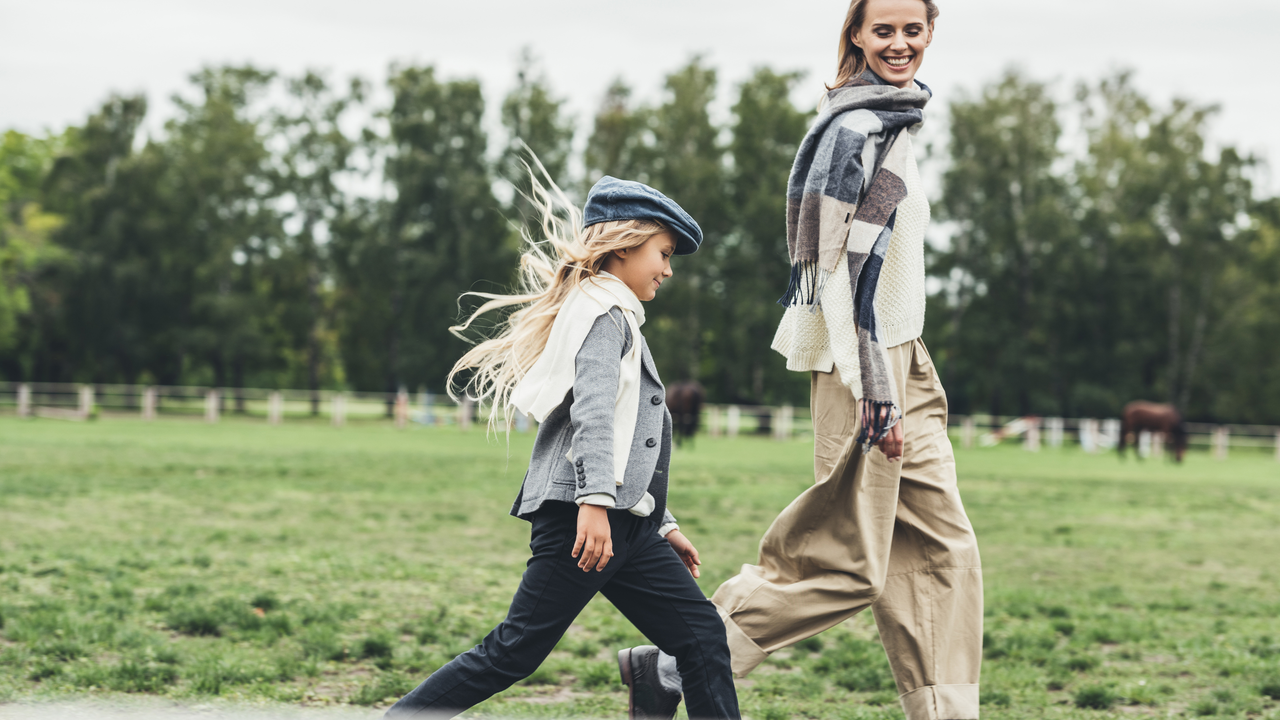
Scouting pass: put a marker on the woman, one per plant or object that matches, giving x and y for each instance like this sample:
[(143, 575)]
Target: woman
[(883, 526)]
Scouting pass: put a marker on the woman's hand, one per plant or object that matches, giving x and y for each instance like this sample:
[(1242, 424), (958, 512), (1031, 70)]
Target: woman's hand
[(685, 549), (891, 443), (594, 541)]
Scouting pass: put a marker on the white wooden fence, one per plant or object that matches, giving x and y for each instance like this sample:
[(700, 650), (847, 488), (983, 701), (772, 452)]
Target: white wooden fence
[(1097, 435), (65, 401)]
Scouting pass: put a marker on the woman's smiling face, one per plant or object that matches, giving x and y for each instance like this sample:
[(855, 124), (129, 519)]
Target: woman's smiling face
[(893, 37)]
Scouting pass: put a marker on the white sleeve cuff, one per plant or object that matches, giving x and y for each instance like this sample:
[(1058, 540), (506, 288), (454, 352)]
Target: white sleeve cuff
[(667, 528), (601, 499)]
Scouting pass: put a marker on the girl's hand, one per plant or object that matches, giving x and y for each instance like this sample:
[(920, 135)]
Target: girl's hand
[(685, 549), (891, 443), (594, 541)]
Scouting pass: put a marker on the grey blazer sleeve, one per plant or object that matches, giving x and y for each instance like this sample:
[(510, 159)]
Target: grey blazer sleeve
[(667, 517), (598, 368)]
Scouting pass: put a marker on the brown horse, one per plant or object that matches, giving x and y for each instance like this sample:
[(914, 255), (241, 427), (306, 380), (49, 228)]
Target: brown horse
[(1141, 415), (684, 400)]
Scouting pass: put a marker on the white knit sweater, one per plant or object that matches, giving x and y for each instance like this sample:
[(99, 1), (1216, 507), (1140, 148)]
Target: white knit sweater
[(818, 340)]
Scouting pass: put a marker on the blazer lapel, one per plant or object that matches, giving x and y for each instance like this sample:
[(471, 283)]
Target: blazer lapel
[(646, 361)]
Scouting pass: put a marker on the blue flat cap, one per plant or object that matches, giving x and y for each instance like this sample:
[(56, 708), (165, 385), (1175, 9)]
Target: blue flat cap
[(614, 199)]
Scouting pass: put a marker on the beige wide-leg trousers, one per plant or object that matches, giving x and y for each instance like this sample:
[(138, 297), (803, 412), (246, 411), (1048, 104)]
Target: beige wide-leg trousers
[(889, 535)]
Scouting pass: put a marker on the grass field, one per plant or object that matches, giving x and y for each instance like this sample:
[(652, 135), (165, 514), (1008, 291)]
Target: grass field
[(311, 565)]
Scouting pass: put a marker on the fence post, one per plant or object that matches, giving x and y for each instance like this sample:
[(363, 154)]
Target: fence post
[(1157, 445), (1111, 433), (734, 421), (522, 422), (275, 407), (1054, 427), (339, 409), (1088, 430), (86, 401), (713, 420), (1031, 438), (782, 422), (466, 411), (968, 430), (402, 408), (24, 405), (149, 403), (429, 411), (1221, 442), (1144, 444), (211, 406)]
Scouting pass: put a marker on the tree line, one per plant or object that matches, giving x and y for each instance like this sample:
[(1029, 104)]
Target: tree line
[(294, 231)]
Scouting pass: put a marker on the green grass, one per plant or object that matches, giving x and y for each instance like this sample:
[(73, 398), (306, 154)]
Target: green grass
[(310, 565)]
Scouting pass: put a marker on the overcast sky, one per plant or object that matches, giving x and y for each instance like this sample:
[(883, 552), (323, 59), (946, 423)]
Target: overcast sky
[(60, 58)]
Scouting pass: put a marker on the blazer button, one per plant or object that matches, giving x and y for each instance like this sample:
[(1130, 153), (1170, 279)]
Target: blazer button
[(656, 399), (650, 442), (579, 463), (582, 483)]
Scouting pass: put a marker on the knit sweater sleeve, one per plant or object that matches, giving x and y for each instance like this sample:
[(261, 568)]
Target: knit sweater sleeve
[(818, 339), (802, 339), (842, 329)]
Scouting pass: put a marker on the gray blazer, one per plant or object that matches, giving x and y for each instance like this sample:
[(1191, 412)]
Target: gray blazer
[(584, 421)]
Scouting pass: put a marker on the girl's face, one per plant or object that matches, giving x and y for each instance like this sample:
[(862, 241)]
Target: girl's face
[(893, 38), (643, 268)]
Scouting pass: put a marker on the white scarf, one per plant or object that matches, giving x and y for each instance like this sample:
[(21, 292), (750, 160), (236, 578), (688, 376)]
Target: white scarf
[(544, 387)]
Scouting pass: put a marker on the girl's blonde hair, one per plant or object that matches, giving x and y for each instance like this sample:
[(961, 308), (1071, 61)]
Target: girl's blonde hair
[(852, 62), (562, 256)]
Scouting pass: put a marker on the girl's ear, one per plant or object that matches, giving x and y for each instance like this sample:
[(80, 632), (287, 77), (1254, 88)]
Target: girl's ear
[(622, 253)]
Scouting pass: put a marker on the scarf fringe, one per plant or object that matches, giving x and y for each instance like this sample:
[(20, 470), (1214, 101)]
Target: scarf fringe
[(803, 287), (878, 417)]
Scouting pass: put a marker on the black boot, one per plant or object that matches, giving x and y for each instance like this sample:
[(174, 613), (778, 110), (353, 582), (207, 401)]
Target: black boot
[(649, 698)]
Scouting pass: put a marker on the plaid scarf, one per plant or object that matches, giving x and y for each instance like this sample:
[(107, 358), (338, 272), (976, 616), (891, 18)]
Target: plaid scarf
[(836, 211)]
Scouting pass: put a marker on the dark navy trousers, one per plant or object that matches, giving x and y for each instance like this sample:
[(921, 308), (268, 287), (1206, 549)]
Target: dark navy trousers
[(645, 580)]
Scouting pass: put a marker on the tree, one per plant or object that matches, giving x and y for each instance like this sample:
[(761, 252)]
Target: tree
[(315, 153), (406, 261), (104, 312), (1077, 284), (1241, 378), (222, 186), (535, 123), (25, 230), (617, 145), (751, 261), (1013, 227), (1154, 194), (688, 165)]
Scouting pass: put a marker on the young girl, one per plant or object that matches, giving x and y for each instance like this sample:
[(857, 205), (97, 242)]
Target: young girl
[(572, 357), (883, 526)]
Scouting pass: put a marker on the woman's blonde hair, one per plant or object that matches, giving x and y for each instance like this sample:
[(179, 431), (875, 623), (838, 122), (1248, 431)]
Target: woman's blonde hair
[(554, 263), (852, 62)]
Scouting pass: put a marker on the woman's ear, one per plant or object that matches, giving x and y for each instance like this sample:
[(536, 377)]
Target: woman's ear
[(853, 38)]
